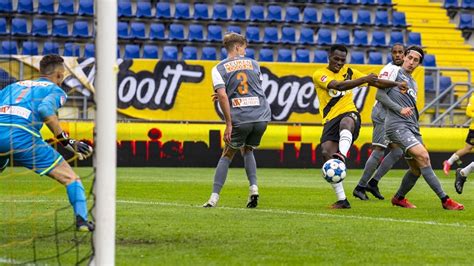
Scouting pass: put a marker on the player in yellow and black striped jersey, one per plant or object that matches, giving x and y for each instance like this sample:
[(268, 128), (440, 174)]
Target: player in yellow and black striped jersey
[(340, 116)]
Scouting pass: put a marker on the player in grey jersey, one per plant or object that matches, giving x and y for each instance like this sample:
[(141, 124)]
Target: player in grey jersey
[(405, 131), (237, 82)]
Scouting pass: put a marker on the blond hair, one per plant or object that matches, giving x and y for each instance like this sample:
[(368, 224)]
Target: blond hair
[(232, 39)]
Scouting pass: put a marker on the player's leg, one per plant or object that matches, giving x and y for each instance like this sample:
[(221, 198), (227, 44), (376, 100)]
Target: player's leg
[(346, 130), (459, 153), (370, 166), (461, 177), (408, 182)]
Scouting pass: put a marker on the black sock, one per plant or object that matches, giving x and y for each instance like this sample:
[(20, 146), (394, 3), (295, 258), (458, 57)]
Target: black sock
[(360, 188), (444, 199), (400, 198), (373, 182)]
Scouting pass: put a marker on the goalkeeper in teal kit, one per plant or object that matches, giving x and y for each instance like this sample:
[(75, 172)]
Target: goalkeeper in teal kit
[(24, 107)]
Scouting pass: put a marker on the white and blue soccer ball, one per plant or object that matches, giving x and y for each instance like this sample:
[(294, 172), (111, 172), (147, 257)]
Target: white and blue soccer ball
[(334, 171)]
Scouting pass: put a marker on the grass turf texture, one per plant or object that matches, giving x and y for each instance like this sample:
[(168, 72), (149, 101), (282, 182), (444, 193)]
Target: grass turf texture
[(160, 220)]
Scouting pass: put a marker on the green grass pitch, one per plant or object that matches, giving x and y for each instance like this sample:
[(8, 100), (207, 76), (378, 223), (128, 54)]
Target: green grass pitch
[(160, 220)]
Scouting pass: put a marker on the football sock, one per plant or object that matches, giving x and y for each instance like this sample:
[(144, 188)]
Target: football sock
[(339, 189), (392, 157), (454, 158), (370, 166), (345, 141), (467, 170), (373, 182), (221, 174), (444, 199), (408, 181), (433, 181), (77, 198), (250, 167)]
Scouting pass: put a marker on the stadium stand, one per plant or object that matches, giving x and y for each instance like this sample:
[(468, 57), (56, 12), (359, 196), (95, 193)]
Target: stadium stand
[(150, 51)]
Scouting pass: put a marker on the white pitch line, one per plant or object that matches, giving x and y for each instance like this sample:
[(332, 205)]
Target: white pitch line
[(10, 261)]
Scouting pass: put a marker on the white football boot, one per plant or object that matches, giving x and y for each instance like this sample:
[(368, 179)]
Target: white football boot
[(212, 202)]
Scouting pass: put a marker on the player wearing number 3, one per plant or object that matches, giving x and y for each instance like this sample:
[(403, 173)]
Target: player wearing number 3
[(237, 82)]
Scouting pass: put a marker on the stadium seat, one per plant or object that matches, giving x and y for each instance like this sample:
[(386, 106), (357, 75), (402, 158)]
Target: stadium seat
[(302, 56), (320, 56), (429, 60), (444, 83), (250, 53), (467, 4), (25, 6), (60, 28), (80, 29), (223, 53), (66, 7), (375, 58), (270, 35), (450, 4), (292, 14), (343, 37), (157, 31), (190, 53), (124, 9), (176, 32), (143, 10), (196, 32), (9, 47), (285, 55), (3, 26), (86, 8), (170, 53), (381, 18), (214, 33), (19, 27), (131, 51), (137, 30), (288, 35), (71, 49), (346, 17), (414, 38), (310, 15), (429, 83), (399, 19), (150, 51), (357, 58), (328, 16), (396, 37), (465, 21), (182, 11), (378, 39), (361, 38), (266, 55), (89, 50), (238, 13), (6, 6), (389, 57), (209, 53), (50, 48), (39, 27), (363, 17), (122, 30), (252, 33), (351, 2), (367, 2), (201, 11), (220, 12), (46, 7), (163, 10), (324, 37), (256, 13), (384, 2), (274, 13), (30, 48), (306, 36), (234, 28)]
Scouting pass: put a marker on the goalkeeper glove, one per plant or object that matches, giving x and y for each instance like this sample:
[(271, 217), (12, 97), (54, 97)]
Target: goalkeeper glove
[(79, 148)]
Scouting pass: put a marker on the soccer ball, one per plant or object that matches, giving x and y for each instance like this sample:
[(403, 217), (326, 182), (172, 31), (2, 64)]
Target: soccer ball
[(334, 171)]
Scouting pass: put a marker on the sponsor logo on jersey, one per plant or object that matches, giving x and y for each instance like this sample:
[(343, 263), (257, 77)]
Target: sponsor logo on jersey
[(15, 110), (31, 83), (62, 100), (324, 78), (238, 65), (247, 101), (384, 74)]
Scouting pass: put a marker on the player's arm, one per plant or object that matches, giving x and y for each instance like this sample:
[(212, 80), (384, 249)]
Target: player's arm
[(385, 84), (219, 89), (350, 84), (383, 98)]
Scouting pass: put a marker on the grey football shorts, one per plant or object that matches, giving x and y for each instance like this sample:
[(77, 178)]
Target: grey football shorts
[(405, 138), (248, 134), (378, 136)]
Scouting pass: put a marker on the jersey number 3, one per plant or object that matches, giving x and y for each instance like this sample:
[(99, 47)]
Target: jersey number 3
[(243, 86)]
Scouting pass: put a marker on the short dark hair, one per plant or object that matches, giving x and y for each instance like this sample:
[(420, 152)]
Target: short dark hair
[(338, 47), (49, 63), (416, 49), (397, 44)]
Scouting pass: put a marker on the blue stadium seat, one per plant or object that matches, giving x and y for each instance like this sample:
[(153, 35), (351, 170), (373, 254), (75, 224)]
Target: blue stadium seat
[(266, 55), (310, 15), (234, 28), (30, 48), (190, 53), (444, 83), (150, 51), (131, 51), (3, 26), (357, 58), (429, 60), (378, 39), (274, 13), (375, 58), (176, 32), (220, 12), (367, 2), (122, 30), (389, 57), (414, 38), (19, 27), (450, 4), (384, 2), (9, 47), (256, 13), (214, 33), (320, 56), (351, 2), (80, 29), (86, 8), (124, 9), (137, 30), (182, 11), (39, 27), (25, 6), (381, 18), (328, 16), (288, 35), (89, 50), (363, 17), (465, 21), (163, 10), (223, 53), (50, 48), (324, 37), (396, 37), (250, 53), (429, 83), (399, 19), (60, 28), (6, 6), (361, 38), (143, 10), (302, 56), (196, 32), (292, 14), (346, 17), (252, 33), (285, 55), (157, 31), (46, 7), (209, 53), (306, 36), (270, 35), (238, 13), (71, 49), (170, 53), (343, 37), (201, 11), (467, 4), (66, 7)]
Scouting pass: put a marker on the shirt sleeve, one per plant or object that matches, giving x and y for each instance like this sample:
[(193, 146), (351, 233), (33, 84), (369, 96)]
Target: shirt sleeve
[(321, 80), (217, 80), (383, 98), (52, 102), (389, 72)]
